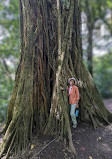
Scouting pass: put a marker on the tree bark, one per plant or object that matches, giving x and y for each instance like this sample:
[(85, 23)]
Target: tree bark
[(90, 26), (90, 48), (50, 54)]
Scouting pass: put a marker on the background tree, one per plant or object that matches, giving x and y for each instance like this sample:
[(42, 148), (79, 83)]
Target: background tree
[(9, 48), (107, 20), (91, 18), (97, 16), (50, 54), (95, 11), (103, 74)]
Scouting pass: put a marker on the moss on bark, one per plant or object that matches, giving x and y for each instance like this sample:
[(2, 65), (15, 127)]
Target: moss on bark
[(47, 59)]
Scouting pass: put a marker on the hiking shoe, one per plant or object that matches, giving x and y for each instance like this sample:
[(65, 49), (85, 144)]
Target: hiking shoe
[(74, 126)]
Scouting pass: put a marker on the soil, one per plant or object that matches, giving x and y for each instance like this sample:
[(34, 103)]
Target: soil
[(89, 143)]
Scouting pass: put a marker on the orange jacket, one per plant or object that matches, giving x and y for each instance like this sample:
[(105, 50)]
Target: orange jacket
[(74, 94)]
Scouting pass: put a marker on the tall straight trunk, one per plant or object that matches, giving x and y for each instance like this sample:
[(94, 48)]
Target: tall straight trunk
[(50, 54), (90, 48), (90, 27)]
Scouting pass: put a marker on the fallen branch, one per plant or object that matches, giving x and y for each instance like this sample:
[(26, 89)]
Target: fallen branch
[(44, 147)]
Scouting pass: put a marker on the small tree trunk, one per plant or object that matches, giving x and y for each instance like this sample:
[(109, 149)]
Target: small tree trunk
[(50, 54)]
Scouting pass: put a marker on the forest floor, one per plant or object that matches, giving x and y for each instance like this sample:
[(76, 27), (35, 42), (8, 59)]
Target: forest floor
[(89, 143)]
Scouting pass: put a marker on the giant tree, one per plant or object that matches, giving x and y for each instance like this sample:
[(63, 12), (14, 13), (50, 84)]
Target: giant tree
[(50, 54)]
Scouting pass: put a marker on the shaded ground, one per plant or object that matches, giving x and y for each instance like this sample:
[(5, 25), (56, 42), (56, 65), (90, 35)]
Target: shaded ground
[(93, 143), (89, 143)]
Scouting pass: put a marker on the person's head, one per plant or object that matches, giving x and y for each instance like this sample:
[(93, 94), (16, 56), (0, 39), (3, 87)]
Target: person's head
[(72, 82)]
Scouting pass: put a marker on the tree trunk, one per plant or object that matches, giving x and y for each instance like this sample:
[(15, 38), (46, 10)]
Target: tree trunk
[(90, 48), (90, 26), (50, 54)]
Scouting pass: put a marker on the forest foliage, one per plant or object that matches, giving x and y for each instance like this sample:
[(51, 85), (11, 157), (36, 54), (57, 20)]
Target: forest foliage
[(9, 50)]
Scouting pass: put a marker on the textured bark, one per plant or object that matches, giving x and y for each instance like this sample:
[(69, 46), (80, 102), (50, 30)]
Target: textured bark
[(90, 27), (90, 48), (50, 54)]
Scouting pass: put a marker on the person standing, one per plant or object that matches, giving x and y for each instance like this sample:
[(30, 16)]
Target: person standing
[(73, 93)]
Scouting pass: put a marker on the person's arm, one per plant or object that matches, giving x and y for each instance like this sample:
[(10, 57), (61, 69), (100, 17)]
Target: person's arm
[(77, 95), (67, 91)]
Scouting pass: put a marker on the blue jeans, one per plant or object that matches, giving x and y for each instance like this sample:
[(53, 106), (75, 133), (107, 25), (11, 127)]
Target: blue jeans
[(72, 114)]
